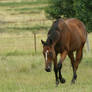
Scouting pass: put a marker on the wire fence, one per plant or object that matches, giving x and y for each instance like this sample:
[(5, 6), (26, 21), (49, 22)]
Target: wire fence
[(26, 43), (21, 44)]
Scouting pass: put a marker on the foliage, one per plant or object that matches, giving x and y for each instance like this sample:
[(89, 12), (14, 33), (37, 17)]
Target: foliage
[(58, 8), (80, 9), (83, 12)]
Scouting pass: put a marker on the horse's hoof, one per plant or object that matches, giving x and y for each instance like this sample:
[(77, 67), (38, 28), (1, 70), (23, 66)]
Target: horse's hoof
[(62, 80), (73, 81), (57, 82)]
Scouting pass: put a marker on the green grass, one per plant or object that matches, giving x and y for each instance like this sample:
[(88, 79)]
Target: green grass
[(26, 9), (37, 27), (23, 70), (20, 43), (26, 73), (17, 4), (18, 16)]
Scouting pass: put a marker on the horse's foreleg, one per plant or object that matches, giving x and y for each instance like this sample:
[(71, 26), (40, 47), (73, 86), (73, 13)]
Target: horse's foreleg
[(62, 80), (56, 72), (63, 55)]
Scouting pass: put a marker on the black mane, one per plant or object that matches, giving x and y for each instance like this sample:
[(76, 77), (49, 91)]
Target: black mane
[(52, 34)]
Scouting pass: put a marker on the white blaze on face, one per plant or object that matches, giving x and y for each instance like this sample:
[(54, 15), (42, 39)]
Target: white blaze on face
[(46, 55)]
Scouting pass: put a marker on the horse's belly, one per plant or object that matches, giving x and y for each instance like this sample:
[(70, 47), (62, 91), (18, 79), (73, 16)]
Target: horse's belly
[(75, 43), (75, 46)]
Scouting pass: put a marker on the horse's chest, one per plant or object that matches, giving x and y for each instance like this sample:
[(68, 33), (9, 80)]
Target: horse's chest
[(59, 48)]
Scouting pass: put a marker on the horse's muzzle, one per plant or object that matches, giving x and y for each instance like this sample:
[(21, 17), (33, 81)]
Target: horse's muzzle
[(48, 69)]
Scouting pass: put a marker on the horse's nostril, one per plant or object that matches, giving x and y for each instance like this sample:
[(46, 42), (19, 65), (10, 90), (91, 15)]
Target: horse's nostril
[(48, 70), (49, 67)]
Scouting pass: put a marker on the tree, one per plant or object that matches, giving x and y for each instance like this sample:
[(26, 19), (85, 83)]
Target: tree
[(59, 8), (83, 12), (80, 9)]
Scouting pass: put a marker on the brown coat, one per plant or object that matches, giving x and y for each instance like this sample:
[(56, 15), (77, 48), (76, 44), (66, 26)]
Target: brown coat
[(72, 35)]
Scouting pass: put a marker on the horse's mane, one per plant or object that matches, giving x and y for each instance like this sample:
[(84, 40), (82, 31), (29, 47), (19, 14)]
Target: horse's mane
[(52, 34), (55, 30)]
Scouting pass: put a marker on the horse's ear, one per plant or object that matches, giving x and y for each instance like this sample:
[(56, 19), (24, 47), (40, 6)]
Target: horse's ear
[(43, 42)]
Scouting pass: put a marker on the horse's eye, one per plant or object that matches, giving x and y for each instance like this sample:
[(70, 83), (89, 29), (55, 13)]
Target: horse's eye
[(43, 53)]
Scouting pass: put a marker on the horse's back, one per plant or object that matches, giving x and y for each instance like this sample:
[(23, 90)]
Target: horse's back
[(77, 29), (78, 33)]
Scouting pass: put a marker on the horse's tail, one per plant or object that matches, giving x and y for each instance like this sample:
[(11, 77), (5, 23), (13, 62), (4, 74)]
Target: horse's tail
[(87, 44)]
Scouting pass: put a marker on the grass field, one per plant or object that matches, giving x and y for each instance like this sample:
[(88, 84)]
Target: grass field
[(21, 70)]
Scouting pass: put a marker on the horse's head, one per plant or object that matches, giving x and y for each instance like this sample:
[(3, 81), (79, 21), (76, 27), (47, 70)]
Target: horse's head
[(49, 55)]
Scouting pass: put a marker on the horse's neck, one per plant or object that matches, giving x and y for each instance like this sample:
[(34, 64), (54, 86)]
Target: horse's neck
[(54, 37)]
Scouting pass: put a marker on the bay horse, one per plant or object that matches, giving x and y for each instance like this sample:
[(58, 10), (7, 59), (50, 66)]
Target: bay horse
[(64, 37)]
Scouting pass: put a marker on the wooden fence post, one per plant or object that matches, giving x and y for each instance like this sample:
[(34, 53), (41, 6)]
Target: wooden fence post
[(34, 41)]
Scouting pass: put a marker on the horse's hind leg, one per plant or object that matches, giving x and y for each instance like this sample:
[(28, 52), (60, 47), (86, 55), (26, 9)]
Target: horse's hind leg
[(71, 56), (79, 55)]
